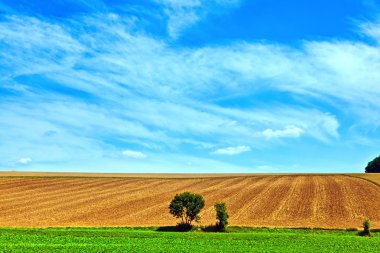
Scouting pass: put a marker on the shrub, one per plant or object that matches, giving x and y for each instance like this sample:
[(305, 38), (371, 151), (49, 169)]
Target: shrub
[(221, 216), (187, 207), (373, 166), (366, 228)]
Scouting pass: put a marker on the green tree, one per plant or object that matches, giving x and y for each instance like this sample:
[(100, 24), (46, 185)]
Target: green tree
[(187, 206), (221, 216), (366, 228), (373, 166)]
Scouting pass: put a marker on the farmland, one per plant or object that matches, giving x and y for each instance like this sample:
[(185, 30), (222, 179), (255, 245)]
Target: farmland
[(149, 240), (373, 177), (323, 201)]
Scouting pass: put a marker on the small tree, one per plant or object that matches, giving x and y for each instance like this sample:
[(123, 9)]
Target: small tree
[(187, 207), (221, 215), (366, 228), (373, 166)]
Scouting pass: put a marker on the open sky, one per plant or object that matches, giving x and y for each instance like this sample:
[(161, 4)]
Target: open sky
[(189, 85)]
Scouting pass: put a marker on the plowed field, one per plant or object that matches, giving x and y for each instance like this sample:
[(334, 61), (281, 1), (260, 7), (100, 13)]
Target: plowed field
[(373, 177), (324, 201)]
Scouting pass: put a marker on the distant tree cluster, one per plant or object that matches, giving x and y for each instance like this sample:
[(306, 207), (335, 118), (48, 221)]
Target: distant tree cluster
[(373, 166)]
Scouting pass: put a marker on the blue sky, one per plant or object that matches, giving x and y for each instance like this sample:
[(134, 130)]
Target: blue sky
[(189, 85)]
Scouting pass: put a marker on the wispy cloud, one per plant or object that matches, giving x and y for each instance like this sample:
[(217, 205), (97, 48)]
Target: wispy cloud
[(134, 154), (185, 13), (181, 14), (288, 132), (231, 150), (372, 29), (100, 84), (34, 46)]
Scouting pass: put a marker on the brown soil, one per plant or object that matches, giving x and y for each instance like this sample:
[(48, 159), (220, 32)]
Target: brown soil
[(374, 177), (324, 201)]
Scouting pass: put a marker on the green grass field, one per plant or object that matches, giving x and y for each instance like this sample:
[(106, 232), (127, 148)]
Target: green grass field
[(150, 240)]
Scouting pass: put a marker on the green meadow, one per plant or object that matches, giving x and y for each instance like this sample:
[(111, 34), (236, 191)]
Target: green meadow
[(164, 240)]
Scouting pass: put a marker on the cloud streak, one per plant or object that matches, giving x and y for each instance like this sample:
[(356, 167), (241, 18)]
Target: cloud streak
[(288, 132), (134, 154), (231, 150), (182, 14), (98, 84)]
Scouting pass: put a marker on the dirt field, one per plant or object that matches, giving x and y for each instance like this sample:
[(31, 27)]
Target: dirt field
[(326, 201), (373, 177)]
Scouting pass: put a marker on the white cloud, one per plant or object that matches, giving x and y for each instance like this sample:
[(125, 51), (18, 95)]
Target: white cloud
[(180, 19), (144, 92), (134, 154), (181, 14), (25, 160), (25, 36), (185, 13), (372, 30), (287, 132), (141, 87), (231, 150)]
